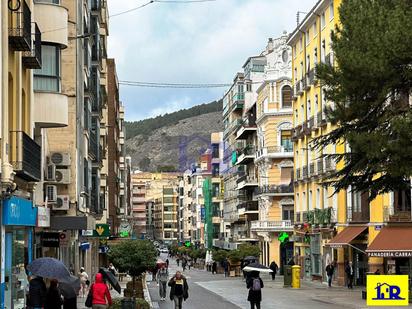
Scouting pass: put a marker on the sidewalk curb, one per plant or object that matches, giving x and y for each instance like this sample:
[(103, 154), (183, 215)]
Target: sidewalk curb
[(147, 293)]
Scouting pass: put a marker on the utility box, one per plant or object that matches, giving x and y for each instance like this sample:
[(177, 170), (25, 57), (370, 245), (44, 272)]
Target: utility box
[(287, 276), (296, 276)]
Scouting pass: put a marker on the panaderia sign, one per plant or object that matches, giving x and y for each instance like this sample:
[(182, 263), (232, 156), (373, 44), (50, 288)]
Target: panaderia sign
[(390, 254)]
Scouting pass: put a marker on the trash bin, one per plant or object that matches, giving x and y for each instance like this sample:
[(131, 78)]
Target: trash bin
[(128, 303), (296, 276), (287, 276)]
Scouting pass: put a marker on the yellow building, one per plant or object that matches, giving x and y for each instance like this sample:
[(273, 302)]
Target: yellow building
[(337, 227), (274, 156)]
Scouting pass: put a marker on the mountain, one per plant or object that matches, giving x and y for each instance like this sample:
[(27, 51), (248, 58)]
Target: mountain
[(173, 141)]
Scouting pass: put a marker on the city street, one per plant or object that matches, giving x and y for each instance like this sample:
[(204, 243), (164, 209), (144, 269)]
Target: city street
[(215, 291)]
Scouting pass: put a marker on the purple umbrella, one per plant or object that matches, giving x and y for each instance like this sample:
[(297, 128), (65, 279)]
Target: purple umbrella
[(49, 268)]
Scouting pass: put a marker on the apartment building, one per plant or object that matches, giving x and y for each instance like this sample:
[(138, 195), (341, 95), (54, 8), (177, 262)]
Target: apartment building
[(337, 227), (140, 185), (185, 204), (273, 157)]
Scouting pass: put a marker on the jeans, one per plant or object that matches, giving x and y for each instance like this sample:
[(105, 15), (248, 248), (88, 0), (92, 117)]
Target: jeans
[(253, 303), (350, 282), (99, 307), (162, 289), (330, 281), (273, 275), (178, 301)]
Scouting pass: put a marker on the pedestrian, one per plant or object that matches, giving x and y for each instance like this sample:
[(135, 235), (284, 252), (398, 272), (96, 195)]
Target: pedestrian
[(255, 285), (179, 290), (330, 269), (100, 292), (177, 261), (70, 303), (226, 267), (349, 274), (84, 282), (167, 263), (37, 293), (214, 267), (274, 267), (113, 270), (162, 278), (184, 263), (154, 273), (54, 298), (189, 264)]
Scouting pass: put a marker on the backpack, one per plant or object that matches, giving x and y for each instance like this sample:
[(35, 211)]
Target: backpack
[(256, 284)]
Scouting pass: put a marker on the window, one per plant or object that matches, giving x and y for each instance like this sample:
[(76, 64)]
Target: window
[(315, 55), (285, 175), (307, 37), (317, 198), (308, 109), (356, 201), (307, 63), (248, 87), (48, 77), (317, 103), (301, 69), (286, 140), (287, 213), (286, 97), (331, 10), (323, 51), (315, 28), (310, 199), (323, 20)]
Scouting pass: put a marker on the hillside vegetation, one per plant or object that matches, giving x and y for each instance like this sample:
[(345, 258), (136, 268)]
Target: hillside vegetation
[(147, 126)]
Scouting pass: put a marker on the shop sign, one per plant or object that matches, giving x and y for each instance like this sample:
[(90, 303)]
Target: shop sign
[(387, 290), (87, 232), (64, 239), (43, 217), (50, 240), (19, 211), (401, 254), (102, 230)]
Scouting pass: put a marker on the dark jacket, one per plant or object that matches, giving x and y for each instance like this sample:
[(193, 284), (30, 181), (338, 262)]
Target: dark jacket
[(349, 272), (273, 266), (37, 292), (329, 270), (54, 300), (172, 285), (255, 296)]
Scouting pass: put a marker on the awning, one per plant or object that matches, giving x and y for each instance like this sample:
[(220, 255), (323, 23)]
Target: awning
[(392, 242), (346, 236), (72, 223)]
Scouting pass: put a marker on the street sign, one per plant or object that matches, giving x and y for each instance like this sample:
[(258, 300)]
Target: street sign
[(102, 230), (64, 239), (87, 232)]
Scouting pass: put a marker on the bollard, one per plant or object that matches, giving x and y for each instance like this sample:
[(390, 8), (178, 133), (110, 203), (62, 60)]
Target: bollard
[(296, 276)]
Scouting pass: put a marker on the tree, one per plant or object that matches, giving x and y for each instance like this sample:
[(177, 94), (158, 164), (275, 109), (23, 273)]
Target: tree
[(134, 257), (370, 87), (219, 255), (249, 250)]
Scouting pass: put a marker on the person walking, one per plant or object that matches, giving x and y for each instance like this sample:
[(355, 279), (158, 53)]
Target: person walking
[(84, 280), (189, 264), (113, 270), (167, 263), (100, 292), (214, 267), (184, 264), (179, 289), (54, 298), (274, 267), (162, 278), (330, 269), (177, 261), (37, 293), (349, 274), (255, 285), (226, 267)]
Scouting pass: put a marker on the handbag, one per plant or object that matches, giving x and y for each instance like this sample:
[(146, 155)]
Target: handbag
[(89, 299)]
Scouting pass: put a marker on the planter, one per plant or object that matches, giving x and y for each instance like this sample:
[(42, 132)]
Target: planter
[(220, 270)]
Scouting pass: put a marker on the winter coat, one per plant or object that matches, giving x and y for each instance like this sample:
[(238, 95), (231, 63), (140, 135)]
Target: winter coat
[(163, 275), (329, 270), (274, 267), (37, 292), (172, 285), (255, 296), (54, 300), (100, 291)]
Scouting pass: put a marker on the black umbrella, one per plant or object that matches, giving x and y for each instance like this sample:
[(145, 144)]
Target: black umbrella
[(250, 258), (49, 268), (257, 267), (70, 287), (107, 274)]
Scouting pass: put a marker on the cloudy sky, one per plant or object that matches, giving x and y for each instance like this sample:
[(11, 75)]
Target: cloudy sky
[(190, 43)]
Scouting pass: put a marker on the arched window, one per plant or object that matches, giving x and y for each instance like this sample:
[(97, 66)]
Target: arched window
[(286, 97)]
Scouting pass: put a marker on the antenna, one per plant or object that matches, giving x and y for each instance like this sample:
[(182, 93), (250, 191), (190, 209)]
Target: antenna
[(298, 16)]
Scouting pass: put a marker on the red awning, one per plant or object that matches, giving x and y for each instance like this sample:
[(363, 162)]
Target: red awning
[(346, 236), (395, 241)]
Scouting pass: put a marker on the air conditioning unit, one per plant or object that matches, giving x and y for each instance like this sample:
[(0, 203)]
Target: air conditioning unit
[(60, 158), (51, 193), (62, 176), (62, 203), (50, 174)]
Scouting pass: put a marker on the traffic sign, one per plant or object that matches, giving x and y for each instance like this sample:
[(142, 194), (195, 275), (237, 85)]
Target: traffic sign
[(102, 230)]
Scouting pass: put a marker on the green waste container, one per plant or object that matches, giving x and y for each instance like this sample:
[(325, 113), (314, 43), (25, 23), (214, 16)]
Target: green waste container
[(287, 276)]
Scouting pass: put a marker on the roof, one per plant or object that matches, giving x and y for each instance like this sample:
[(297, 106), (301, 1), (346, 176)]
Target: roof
[(346, 236)]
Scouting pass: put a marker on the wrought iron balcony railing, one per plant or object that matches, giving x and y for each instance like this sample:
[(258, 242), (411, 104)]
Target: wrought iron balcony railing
[(19, 25), (25, 156), (32, 59)]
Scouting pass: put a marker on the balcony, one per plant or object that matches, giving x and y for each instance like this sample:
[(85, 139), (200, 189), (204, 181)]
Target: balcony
[(312, 171), (250, 207), (319, 166), (391, 215), (272, 226), (330, 165), (246, 181), (299, 88), (306, 84), (20, 25), (25, 156), (51, 109), (52, 20), (306, 128), (93, 146), (321, 119), (275, 190), (246, 155), (247, 127), (274, 152), (298, 174), (311, 77), (305, 172), (32, 59)]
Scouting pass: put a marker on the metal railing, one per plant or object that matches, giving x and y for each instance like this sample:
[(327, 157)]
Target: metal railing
[(25, 156), (275, 189), (305, 171), (319, 165), (391, 214), (273, 150), (93, 146), (272, 225), (20, 25), (312, 169), (32, 59)]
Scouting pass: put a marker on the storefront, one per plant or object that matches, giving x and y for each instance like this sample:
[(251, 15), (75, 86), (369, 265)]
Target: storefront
[(19, 218)]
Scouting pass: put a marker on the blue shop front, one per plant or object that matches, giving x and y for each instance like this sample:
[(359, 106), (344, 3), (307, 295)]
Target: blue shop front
[(19, 217)]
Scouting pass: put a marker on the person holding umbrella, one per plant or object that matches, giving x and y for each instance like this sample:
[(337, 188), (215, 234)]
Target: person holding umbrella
[(255, 284), (54, 299)]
